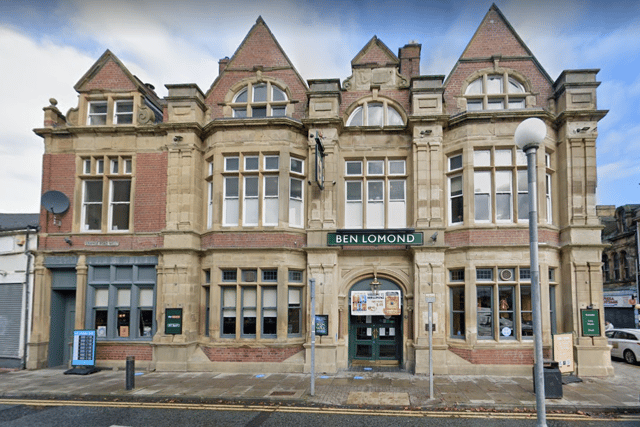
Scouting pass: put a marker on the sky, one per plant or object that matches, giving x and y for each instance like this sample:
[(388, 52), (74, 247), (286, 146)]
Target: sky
[(46, 46)]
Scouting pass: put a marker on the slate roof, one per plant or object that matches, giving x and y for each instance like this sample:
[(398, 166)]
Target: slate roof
[(10, 222)]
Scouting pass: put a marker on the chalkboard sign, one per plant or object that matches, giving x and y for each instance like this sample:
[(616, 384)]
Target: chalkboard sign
[(173, 321), (590, 323), (322, 324), (84, 348)]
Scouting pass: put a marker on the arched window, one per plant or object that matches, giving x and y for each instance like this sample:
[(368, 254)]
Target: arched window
[(625, 265), (616, 267), (260, 100), (605, 267), (375, 114), (495, 92)]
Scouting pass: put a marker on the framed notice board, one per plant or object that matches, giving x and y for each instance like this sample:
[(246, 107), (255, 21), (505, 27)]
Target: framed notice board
[(84, 348), (590, 322), (173, 321), (322, 324)]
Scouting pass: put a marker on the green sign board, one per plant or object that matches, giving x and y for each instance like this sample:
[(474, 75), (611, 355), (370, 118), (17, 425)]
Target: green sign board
[(355, 238), (173, 321), (590, 322)]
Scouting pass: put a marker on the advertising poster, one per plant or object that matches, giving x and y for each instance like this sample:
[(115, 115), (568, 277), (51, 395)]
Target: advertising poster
[(384, 303)]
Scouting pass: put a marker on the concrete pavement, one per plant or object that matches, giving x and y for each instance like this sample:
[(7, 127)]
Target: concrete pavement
[(363, 388)]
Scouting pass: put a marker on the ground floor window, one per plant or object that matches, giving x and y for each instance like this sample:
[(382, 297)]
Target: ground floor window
[(121, 299), (249, 302), (503, 303), (457, 312)]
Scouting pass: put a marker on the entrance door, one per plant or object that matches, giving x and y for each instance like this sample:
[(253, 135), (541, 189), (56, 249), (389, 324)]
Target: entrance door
[(375, 340), (63, 314)]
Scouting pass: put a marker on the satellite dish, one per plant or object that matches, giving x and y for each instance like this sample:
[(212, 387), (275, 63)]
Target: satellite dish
[(55, 202)]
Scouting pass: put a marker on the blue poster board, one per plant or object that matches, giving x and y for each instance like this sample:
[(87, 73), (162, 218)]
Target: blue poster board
[(84, 348)]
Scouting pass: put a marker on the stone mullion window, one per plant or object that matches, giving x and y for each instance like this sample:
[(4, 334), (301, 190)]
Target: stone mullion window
[(249, 303), (500, 186), (375, 197), (260, 99), (121, 299), (110, 111), (251, 190), (106, 193), (493, 91)]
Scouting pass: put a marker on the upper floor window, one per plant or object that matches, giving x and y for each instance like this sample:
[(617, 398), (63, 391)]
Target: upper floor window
[(106, 194), (106, 112), (375, 193), (495, 92), (260, 100), (456, 201), (375, 114)]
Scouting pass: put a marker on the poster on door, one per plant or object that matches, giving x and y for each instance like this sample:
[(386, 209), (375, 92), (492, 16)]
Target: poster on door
[(382, 303)]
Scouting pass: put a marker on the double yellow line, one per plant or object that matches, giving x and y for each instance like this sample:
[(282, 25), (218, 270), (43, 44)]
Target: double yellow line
[(313, 410)]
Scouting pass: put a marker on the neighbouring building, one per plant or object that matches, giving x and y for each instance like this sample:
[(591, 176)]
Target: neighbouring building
[(620, 264), (18, 238), (198, 220)]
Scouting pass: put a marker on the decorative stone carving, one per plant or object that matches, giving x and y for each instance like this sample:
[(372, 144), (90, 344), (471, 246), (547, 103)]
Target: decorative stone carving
[(385, 78), (145, 115), (72, 116)]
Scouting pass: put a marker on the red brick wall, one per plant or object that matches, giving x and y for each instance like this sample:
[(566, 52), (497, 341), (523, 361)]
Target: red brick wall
[(494, 38), (58, 173), (110, 77), (499, 237), (121, 351), (400, 96), (498, 356), (150, 203), (375, 55), (217, 354), (253, 240)]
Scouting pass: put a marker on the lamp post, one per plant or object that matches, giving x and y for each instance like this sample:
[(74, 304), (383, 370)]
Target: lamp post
[(529, 136)]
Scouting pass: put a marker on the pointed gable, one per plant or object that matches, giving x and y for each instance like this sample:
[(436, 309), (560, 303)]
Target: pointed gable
[(109, 74), (496, 48), (375, 52), (259, 56), (495, 36), (259, 48)]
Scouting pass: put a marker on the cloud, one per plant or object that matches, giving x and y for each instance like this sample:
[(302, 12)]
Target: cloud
[(40, 70)]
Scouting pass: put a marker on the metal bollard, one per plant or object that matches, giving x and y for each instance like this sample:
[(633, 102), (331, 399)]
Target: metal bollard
[(130, 373)]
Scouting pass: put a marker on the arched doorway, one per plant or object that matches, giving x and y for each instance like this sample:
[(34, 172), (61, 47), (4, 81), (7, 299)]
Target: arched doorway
[(375, 323)]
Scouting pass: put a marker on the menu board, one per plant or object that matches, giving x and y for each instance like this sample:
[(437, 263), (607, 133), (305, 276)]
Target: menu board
[(84, 348), (382, 303), (563, 351)]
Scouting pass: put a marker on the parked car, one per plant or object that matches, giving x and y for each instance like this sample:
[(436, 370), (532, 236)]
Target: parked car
[(625, 343)]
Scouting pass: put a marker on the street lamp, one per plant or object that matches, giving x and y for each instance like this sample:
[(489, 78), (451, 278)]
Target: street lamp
[(529, 136)]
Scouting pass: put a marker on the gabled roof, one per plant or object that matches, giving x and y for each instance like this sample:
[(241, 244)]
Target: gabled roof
[(108, 73), (12, 222), (496, 32), (258, 49), (375, 52)]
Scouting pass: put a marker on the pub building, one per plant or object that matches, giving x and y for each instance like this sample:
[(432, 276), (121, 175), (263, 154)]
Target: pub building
[(196, 221)]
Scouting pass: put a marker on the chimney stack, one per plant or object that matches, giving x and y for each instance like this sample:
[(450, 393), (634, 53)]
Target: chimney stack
[(410, 59)]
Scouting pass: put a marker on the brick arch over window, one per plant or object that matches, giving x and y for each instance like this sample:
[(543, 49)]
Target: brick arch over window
[(258, 96), (376, 112)]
